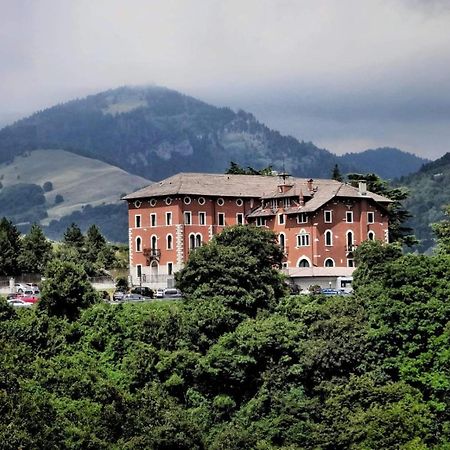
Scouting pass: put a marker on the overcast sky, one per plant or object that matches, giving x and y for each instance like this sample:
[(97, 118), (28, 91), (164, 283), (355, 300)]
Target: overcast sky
[(345, 74)]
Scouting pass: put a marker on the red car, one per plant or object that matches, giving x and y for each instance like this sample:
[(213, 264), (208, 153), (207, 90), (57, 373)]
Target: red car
[(29, 298)]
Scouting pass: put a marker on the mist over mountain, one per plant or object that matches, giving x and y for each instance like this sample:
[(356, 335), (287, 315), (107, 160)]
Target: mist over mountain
[(155, 132)]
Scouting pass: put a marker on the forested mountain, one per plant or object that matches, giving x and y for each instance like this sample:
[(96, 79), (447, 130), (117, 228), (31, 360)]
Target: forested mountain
[(388, 163), (156, 132), (429, 193)]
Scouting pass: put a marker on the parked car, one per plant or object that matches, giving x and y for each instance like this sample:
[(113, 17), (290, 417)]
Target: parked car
[(142, 290), (18, 303), (159, 293), (118, 295), (172, 293), (12, 296), (21, 287), (330, 291), (29, 298), (135, 298), (34, 288)]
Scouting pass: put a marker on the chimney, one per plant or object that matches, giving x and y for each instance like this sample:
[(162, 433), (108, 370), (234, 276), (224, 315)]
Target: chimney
[(309, 183), (300, 199), (362, 186)]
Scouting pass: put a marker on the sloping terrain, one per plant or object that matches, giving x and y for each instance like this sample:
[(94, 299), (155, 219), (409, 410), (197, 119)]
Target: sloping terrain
[(156, 132), (79, 180), (429, 193)]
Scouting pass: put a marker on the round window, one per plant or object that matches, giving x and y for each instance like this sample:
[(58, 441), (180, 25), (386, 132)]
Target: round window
[(239, 202), (187, 200), (152, 202), (201, 200), (220, 201), (168, 201), (137, 203)]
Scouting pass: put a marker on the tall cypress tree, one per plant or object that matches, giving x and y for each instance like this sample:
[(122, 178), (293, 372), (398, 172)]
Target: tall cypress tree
[(9, 248)]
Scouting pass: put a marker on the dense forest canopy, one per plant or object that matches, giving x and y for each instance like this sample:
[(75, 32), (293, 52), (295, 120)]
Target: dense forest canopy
[(224, 369)]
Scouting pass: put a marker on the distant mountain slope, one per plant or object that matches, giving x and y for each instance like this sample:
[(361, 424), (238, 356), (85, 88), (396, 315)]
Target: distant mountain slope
[(429, 192), (155, 132), (79, 180), (388, 163)]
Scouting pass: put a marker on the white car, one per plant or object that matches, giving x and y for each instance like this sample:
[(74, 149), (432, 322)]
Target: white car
[(159, 293), (21, 287), (17, 303)]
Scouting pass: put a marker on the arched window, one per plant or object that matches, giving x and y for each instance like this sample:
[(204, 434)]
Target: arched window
[(371, 236), (328, 238), (153, 243), (350, 241), (329, 262), (198, 240), (282, 240), (169, 242), (138, 244), (304, 263), (192, 241)]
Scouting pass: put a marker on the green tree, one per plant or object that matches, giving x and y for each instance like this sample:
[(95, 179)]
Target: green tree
[(9, 248), (36, 251), (66, 290), (240, 265), (442, 232), (73, 237), (236, 169), (336, 174), (47, 186), (97, 250)]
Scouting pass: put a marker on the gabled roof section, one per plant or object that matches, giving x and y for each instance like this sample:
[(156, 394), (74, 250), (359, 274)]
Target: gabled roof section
[(206, 184), (314, 192)]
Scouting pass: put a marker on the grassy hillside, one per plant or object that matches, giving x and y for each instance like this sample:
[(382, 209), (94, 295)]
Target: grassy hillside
[(79, 180)]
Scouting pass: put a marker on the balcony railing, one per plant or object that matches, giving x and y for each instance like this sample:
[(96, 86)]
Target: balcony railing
[(152, 254)]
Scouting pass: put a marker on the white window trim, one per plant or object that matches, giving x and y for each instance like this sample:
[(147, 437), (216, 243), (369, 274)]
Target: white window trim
[(325, 216), (329, 259), (169, 221), (167, 241), (302, 215), (136, 245), (300, 259), (140, 220), (187, 214), (369, 233), (284, 240), (325, 238), (281, 219), (153, 215), (221, 214), (169, 263), (199, 214), (153, 237), (138, 266), (220, 201), (299, 240), (237, 220), (370, 213), (351, 215)]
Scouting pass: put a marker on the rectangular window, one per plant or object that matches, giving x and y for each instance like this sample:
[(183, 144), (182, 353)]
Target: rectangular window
[(240, 219), (221, 219), (187, 218), (302, 218), (349, 216), (153, 220), (287, 202), (350, 262), (280, 219), (370, 217), (260, 221), (169, 268), (202, 218), (137, 221), (274, 204), (328, 216), (168, 218), (139, 271), (303, 240)]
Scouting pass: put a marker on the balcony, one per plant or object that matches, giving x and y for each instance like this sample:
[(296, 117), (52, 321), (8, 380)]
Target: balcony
[(152, 254)]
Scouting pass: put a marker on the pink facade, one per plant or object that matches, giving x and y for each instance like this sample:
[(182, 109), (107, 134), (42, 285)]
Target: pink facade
[(318, 226)]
